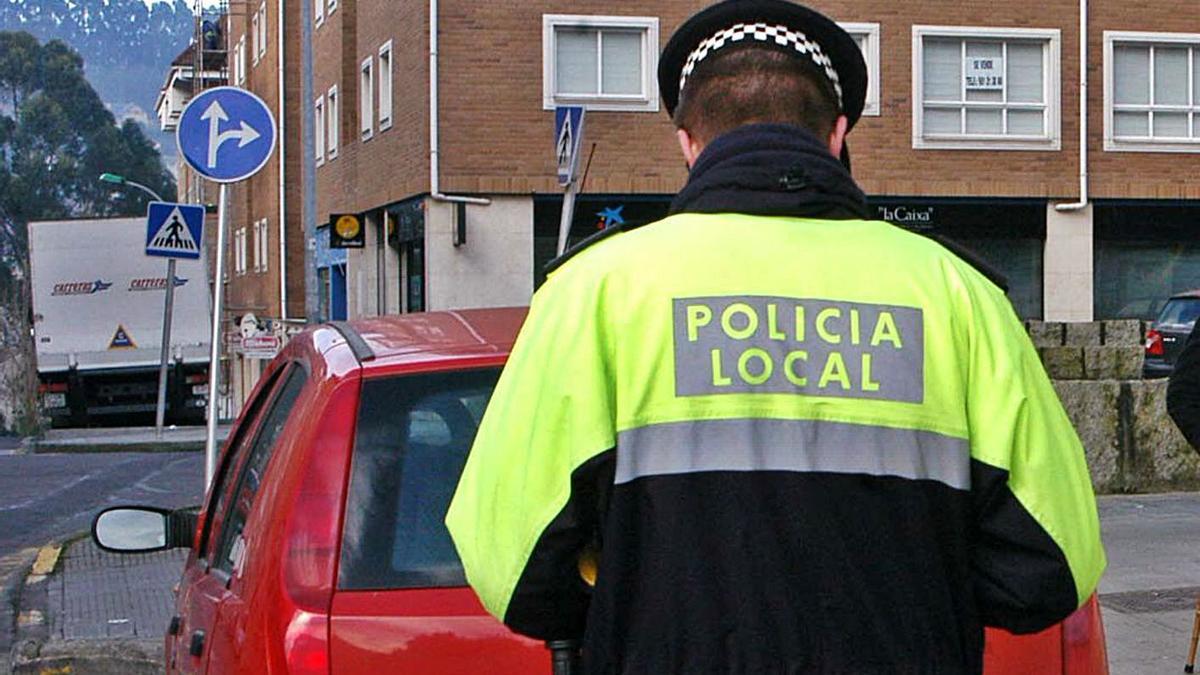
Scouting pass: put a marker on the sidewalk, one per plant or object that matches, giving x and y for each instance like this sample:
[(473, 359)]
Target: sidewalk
[(96, 612), (124, 439)]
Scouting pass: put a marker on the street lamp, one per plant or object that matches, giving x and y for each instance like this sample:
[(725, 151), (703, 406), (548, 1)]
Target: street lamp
[(121, 180), (160, 410)]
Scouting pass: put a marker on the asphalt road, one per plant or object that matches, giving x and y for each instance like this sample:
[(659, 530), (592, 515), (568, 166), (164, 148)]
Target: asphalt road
[(43, 497)]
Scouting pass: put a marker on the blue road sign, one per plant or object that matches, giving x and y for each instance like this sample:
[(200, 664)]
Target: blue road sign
[(226, 134), (174, 230), (568, 136)]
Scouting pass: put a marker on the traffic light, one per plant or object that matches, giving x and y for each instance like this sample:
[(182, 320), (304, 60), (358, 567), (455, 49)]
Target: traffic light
[(346, 231)]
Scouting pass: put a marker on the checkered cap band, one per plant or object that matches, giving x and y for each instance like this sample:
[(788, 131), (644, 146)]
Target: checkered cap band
[(780, 35)]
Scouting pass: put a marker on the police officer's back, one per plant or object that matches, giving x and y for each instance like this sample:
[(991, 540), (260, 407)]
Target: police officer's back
[(800, 440)]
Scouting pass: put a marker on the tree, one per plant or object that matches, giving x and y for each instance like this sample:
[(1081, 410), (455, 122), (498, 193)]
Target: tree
[(60, 137)]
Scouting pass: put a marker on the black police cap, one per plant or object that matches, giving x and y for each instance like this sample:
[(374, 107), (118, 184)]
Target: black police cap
[(812, 37)]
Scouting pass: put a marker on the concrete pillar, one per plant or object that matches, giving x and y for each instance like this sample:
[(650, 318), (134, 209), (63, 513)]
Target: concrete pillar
[(1069, 279), (494, 268)]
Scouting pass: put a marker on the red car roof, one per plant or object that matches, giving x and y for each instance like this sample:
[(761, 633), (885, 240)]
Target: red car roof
[(433, 336)]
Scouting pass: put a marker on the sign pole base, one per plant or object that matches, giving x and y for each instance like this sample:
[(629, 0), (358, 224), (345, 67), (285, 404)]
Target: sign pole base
[(214, 361)]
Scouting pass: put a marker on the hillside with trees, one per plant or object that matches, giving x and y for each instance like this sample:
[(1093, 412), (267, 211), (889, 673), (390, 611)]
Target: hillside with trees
[(56, 137), (125, 44)]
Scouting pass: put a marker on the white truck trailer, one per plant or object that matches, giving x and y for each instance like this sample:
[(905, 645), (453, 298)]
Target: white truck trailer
[(97, 323)]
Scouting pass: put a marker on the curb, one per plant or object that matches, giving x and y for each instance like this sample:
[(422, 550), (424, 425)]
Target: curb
[(95, 657), (13, 570), (37, 447)]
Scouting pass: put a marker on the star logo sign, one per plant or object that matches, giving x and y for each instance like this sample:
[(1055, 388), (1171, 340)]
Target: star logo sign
[(611, 216)]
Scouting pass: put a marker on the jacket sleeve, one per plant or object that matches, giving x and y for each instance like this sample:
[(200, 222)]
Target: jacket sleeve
[(1183, 392), (1037, 555), (541, 466)]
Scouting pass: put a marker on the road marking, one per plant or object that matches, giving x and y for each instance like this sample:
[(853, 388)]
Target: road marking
[(33, 500), (47, 559)]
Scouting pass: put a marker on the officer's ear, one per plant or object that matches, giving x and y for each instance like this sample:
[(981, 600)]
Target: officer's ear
[(690, 145), (837, 137)]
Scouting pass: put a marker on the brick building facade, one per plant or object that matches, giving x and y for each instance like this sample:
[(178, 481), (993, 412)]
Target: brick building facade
[(975, 135), (992, 187)]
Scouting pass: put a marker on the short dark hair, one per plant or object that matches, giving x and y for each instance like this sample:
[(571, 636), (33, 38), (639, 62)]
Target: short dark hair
[(748, 85)]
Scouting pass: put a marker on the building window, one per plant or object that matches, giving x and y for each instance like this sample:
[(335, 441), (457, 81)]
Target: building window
[(262, 242), (366, 102), (318, 12), (385, 86), (603, 62), (1152, 92), (986, 88), (333, 125), (261, 15), (239, 251), (319, 129), (255, 38), (239, 62), (867, 37), (332, 6)]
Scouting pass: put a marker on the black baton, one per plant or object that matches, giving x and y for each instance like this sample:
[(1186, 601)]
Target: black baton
[(564, 657)]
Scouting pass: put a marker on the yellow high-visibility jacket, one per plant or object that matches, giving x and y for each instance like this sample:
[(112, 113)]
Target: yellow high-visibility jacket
[(796, 445)]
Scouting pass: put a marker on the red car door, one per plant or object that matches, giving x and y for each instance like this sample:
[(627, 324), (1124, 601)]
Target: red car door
[(401, 604), (201, 590), (243, 536)]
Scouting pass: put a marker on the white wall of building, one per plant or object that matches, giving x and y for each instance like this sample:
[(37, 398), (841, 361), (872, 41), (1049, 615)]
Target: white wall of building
[(494, 268), (1069, 265)]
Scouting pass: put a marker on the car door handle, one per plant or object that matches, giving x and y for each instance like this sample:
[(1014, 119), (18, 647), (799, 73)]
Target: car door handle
[(196, 648)]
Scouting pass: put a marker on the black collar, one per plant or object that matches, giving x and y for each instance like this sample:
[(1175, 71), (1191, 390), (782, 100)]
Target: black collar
[(771, 170)]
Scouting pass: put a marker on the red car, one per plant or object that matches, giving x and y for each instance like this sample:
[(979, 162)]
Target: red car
[(321, 549)]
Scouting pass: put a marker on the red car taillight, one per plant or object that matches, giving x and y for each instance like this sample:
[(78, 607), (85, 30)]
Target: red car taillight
[(311, 535), (196, 378), (1154, 343), (307, 644), (52, 388)]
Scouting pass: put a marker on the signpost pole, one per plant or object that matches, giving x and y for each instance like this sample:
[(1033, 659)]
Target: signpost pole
[(160, 411), (568, 215), (208, 125), (214, 360)]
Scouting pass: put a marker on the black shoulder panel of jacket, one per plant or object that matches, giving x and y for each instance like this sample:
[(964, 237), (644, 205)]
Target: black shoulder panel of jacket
[(1183, 392), (590, 240), (1022, 580), (973, 259), (551, 599)]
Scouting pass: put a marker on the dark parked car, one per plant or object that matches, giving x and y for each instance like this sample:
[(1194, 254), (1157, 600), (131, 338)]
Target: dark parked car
[(1169, 332)]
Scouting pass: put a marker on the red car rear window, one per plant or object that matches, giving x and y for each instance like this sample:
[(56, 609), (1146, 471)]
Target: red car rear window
[(414, 433)]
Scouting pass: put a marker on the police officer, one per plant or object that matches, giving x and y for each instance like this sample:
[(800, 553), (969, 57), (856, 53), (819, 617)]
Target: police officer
[(795, 439)]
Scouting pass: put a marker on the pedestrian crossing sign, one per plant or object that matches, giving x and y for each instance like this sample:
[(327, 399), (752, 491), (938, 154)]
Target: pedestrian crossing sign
[(174, 230)]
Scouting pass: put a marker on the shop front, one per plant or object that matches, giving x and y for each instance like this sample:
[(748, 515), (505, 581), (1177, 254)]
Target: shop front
[(1145, 251)]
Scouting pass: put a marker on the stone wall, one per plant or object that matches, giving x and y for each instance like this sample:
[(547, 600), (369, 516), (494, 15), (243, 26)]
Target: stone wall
[(1131, 443)]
